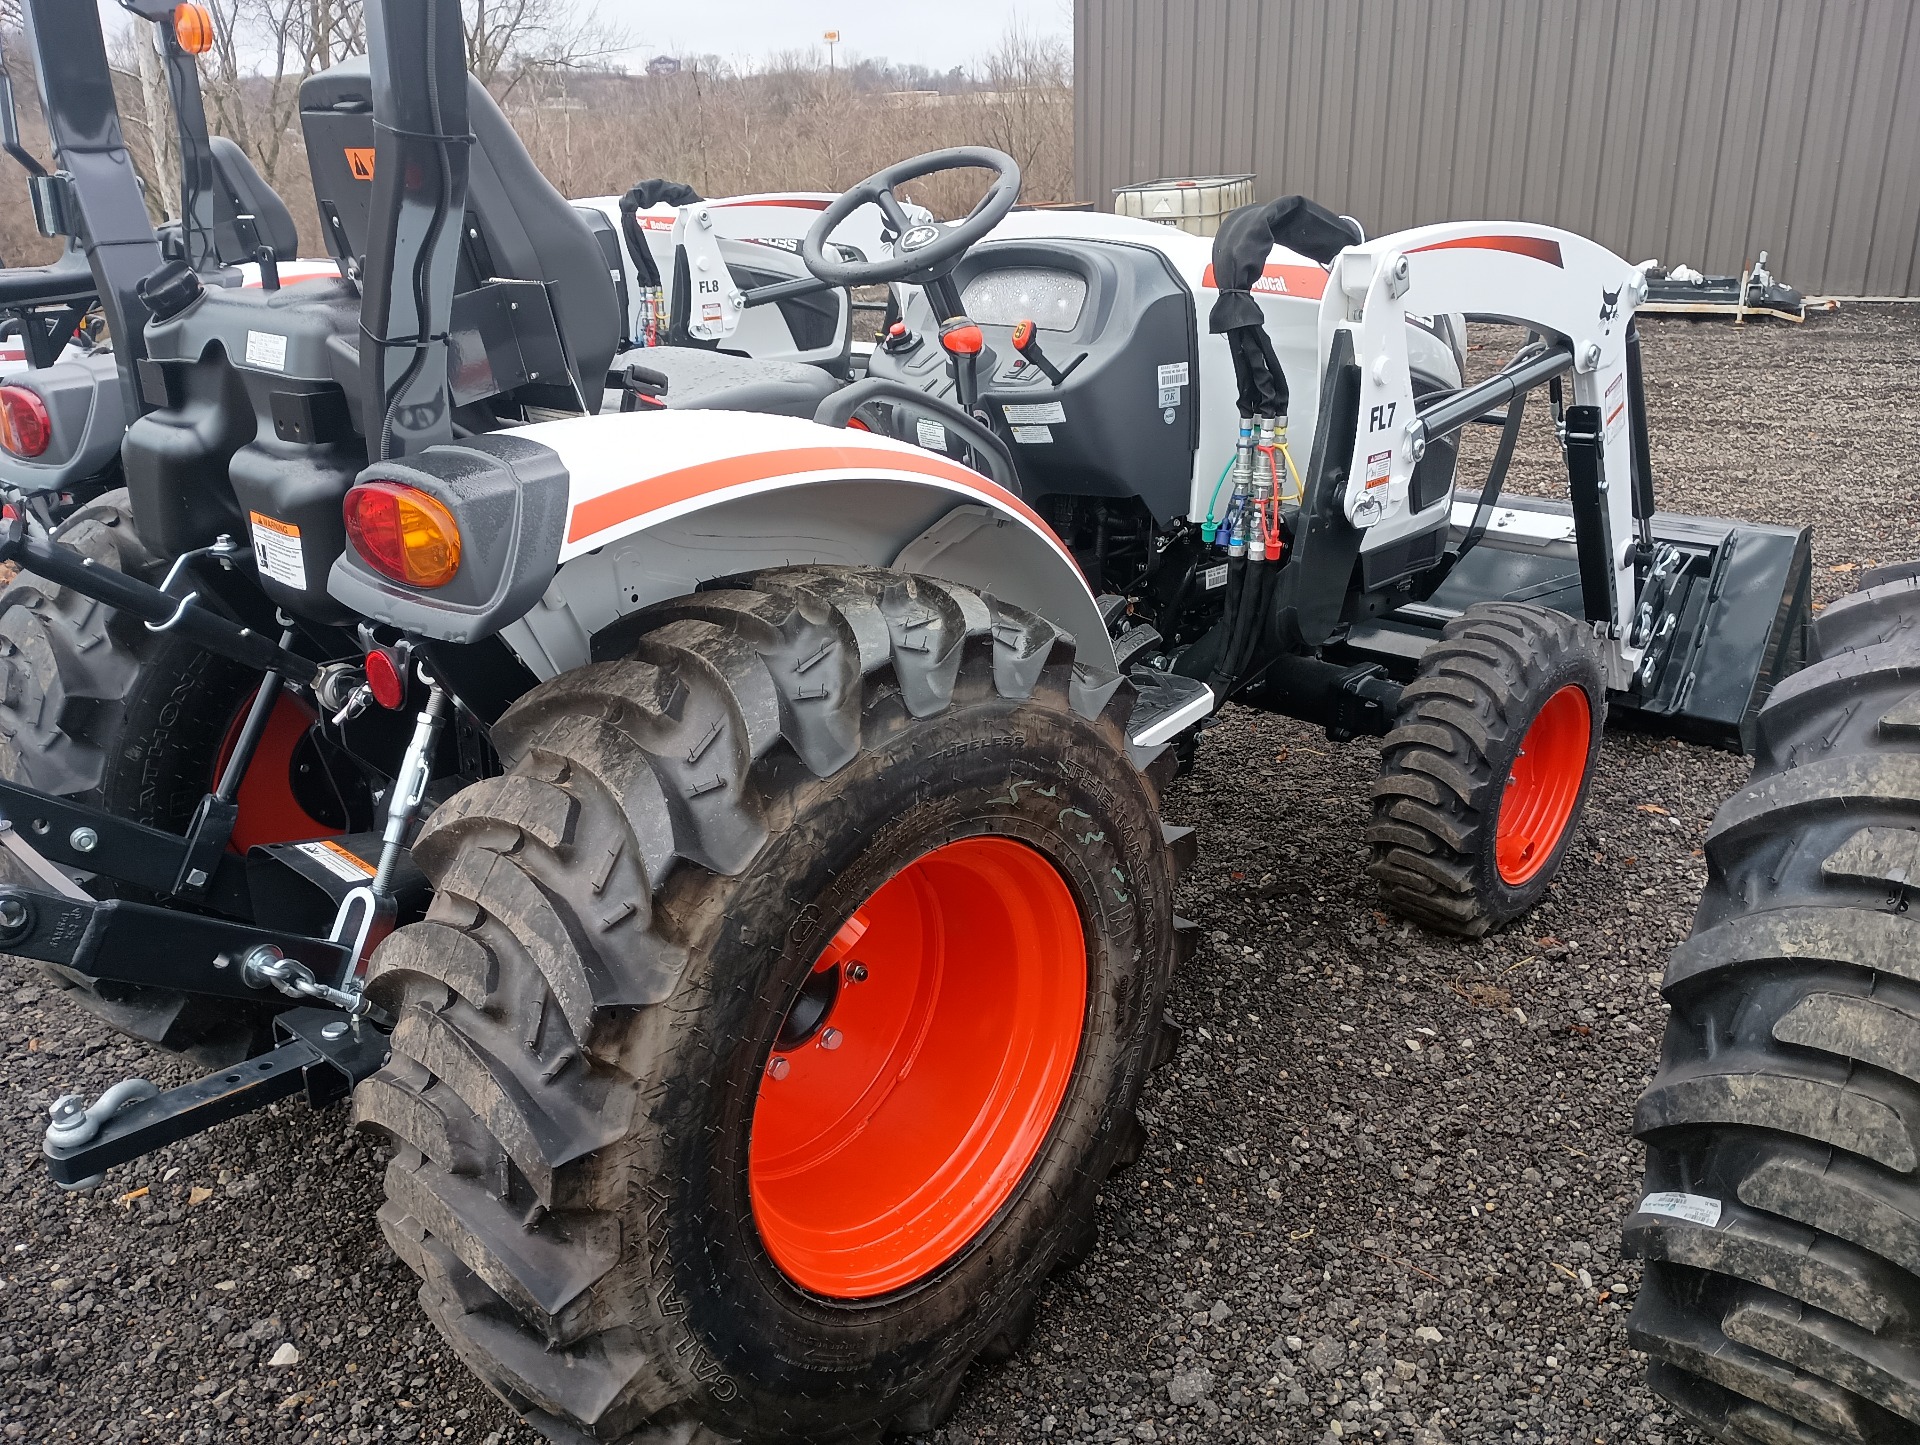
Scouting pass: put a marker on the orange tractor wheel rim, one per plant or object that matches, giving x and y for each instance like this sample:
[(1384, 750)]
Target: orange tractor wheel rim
[(918, 1075), (1543, 785)]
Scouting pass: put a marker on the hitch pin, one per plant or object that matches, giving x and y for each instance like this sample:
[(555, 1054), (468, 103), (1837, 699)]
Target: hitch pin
[(355, 704), (265, 966)]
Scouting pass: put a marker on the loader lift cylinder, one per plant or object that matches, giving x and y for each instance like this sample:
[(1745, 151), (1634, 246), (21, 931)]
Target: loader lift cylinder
[(1469, 405), (1588, 484), (1642, 460)]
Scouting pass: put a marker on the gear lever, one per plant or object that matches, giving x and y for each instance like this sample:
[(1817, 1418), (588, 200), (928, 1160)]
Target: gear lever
[(1026, 341)]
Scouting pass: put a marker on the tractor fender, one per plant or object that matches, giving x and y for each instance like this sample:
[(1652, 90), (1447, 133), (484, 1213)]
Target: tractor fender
[(658, 503)]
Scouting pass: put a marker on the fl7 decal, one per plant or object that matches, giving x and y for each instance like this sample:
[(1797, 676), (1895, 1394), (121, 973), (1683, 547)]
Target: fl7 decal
[(1382, 417)]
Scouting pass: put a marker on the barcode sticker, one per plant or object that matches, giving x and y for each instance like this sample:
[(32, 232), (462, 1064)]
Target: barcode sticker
[(1215, 576), (1697, 1208), (276, 550)]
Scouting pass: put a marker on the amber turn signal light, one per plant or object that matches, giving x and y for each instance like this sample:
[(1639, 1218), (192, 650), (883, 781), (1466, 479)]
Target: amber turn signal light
[(403, 534), (193, 28), (25, 428)]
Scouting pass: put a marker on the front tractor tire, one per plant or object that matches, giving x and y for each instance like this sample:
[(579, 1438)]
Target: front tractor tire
[(1780, 1224), (1485, 773), (779, 1015)]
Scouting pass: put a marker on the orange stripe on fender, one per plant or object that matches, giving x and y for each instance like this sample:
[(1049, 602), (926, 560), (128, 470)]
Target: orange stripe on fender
[(1536, 247), (636, 499), (1307, 282), (795, 202)]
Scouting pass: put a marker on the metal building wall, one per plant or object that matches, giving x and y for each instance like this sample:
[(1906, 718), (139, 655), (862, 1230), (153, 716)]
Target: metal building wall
[(1692, 130)]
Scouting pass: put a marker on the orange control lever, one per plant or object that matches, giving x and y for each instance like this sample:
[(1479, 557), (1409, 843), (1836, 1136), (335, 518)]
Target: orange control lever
[(1026, 341), (961, 337)]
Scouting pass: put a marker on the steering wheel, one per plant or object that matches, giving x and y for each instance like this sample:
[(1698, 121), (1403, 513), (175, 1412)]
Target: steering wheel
[(925, 251)]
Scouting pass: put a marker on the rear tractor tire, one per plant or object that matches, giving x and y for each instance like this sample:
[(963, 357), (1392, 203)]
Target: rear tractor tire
[(96, 707), (1780, 1224), (1484, 776), (780, 1013)]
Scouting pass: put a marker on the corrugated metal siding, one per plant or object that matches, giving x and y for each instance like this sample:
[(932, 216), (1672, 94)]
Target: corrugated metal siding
[(1693, 130)]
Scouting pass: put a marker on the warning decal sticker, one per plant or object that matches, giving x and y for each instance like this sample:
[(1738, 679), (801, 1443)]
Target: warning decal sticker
[(276, 550), (350, 867), (1379, 469)]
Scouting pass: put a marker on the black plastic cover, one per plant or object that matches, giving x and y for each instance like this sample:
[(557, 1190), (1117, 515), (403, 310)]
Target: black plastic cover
[(509, 497), (1246, 238), (641, 197), (1240, 250)]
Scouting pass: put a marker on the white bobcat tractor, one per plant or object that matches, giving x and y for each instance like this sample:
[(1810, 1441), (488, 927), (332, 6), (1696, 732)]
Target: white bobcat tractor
[(711, 821)]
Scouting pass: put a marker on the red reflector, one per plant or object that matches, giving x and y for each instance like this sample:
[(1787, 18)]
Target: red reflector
[(963, 340), (403, 533), (384, 681), (25, 428)]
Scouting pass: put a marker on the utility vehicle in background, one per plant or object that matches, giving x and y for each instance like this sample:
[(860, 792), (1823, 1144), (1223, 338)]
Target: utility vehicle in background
[(705, 807)]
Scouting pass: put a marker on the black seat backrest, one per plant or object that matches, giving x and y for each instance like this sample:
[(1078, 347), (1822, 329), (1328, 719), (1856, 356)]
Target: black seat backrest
[(518, 226), (252, 196)]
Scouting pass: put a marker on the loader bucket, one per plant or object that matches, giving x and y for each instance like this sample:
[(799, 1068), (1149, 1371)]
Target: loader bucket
[(1725, 618)]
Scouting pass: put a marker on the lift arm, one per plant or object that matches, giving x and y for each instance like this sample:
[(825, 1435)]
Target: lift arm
[(1577, 295)]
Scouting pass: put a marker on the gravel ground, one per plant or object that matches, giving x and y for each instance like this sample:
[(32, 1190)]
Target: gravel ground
[(1386, 1173)]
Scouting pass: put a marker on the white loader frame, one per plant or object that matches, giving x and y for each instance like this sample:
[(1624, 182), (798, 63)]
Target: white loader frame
[(1575, 293)]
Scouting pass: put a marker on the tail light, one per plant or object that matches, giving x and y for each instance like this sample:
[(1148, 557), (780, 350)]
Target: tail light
[(403, 534), (25, 428)]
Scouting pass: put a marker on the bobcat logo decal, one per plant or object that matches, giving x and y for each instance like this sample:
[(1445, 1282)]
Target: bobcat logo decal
[(1609, 304)]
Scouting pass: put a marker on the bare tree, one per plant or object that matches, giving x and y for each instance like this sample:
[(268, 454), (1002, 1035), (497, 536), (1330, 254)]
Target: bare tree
[(513, 41), (1028, 109), (786, 124), (263, 50)]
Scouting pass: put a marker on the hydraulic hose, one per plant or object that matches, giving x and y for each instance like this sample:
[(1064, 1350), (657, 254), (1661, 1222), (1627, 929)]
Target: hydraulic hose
[(1253, 610)]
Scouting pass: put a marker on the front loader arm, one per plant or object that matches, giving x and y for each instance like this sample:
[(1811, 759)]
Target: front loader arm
[(1577, 295)]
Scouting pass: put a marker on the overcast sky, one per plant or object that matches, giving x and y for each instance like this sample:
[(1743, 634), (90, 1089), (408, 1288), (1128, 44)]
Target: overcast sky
[(936, 33)]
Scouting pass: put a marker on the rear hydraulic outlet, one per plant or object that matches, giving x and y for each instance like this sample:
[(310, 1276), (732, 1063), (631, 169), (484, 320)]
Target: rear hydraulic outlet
[(1260, 490), (1216, 533), (1236, 523)]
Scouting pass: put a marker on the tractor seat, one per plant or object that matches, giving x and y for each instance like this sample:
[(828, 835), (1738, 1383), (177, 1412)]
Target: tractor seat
[(701, 380)]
